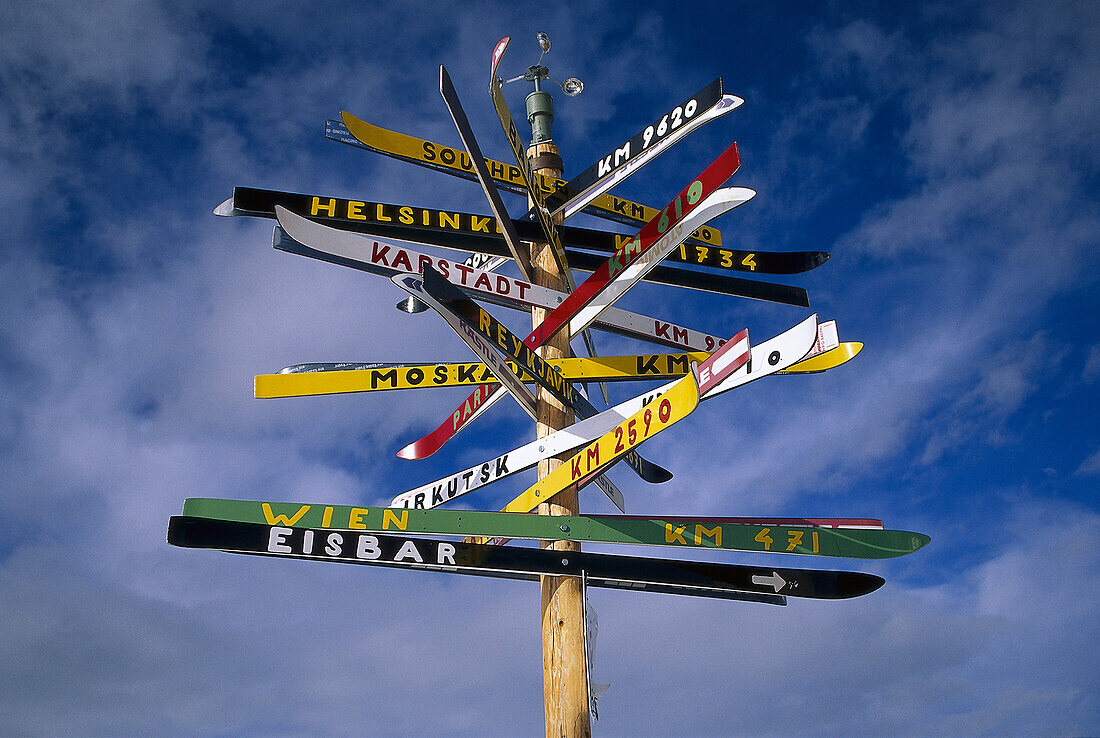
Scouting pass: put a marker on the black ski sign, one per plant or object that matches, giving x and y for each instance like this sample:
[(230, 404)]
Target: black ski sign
[(705, 105), (699, 578), (453, 229), (466, 133)]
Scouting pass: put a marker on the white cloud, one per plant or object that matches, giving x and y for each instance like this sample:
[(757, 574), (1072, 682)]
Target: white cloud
[(1091, 465)]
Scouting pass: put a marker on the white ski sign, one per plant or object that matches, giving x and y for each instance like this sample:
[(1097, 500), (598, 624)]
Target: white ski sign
[(299, 235)]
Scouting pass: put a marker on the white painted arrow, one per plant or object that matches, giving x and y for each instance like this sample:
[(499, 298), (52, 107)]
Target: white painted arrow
[(774, 580)]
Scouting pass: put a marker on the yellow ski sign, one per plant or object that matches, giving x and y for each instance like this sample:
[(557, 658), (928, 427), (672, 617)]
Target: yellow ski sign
[(457, 161), (332, 379), (671, 407)]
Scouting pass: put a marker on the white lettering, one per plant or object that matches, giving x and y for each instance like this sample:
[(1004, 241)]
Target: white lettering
[(276, 540), (445, 554), (624, 152), (368, 548), (408, 551)]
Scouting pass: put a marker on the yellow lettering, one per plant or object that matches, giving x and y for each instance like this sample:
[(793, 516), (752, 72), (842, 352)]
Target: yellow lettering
[(405, 215), (317, 207), (273, 519), (449, 220), (675, 535), (750, 262), (388, 516), (794, 538), (380, 216), (483, 321), (715, 533), (354, 516), (813, 537), (355, 210), (763, 537), (479, 224), (326, 518)]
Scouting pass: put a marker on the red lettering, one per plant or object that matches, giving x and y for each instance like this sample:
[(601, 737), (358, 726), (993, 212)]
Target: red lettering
[(483, 278), (661, 329), (465, 270), (593, 457), (378, 254), (402, 258), (503, 285)]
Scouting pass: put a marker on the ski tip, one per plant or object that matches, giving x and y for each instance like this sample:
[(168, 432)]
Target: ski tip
[(225, 208), (917, 541), (413, 452), (350, 122), (859, 584), (660, 476), (738, 195)]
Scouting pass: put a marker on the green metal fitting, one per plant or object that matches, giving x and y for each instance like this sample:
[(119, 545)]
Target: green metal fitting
[(540, 114)]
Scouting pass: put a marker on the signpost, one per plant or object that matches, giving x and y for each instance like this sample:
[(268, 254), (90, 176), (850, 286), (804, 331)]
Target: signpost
[(576, 443)]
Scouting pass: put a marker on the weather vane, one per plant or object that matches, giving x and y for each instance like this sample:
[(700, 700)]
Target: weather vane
[(540, 106)]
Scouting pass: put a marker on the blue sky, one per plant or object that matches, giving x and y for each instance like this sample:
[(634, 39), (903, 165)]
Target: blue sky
[(945, 154)]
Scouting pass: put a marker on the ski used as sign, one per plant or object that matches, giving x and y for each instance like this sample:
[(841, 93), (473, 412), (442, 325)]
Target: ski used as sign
[(586, 464), (460, 231), (722, 284), (442, 158), (301, 236), (332, 378), (466, 133), (699, 578), (336, 378), (485, 327), (681, 532), (698, 203), (771, 356), (702, 107)]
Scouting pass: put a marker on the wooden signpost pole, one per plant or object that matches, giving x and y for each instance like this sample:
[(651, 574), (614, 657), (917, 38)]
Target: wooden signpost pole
[(564, 674)]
